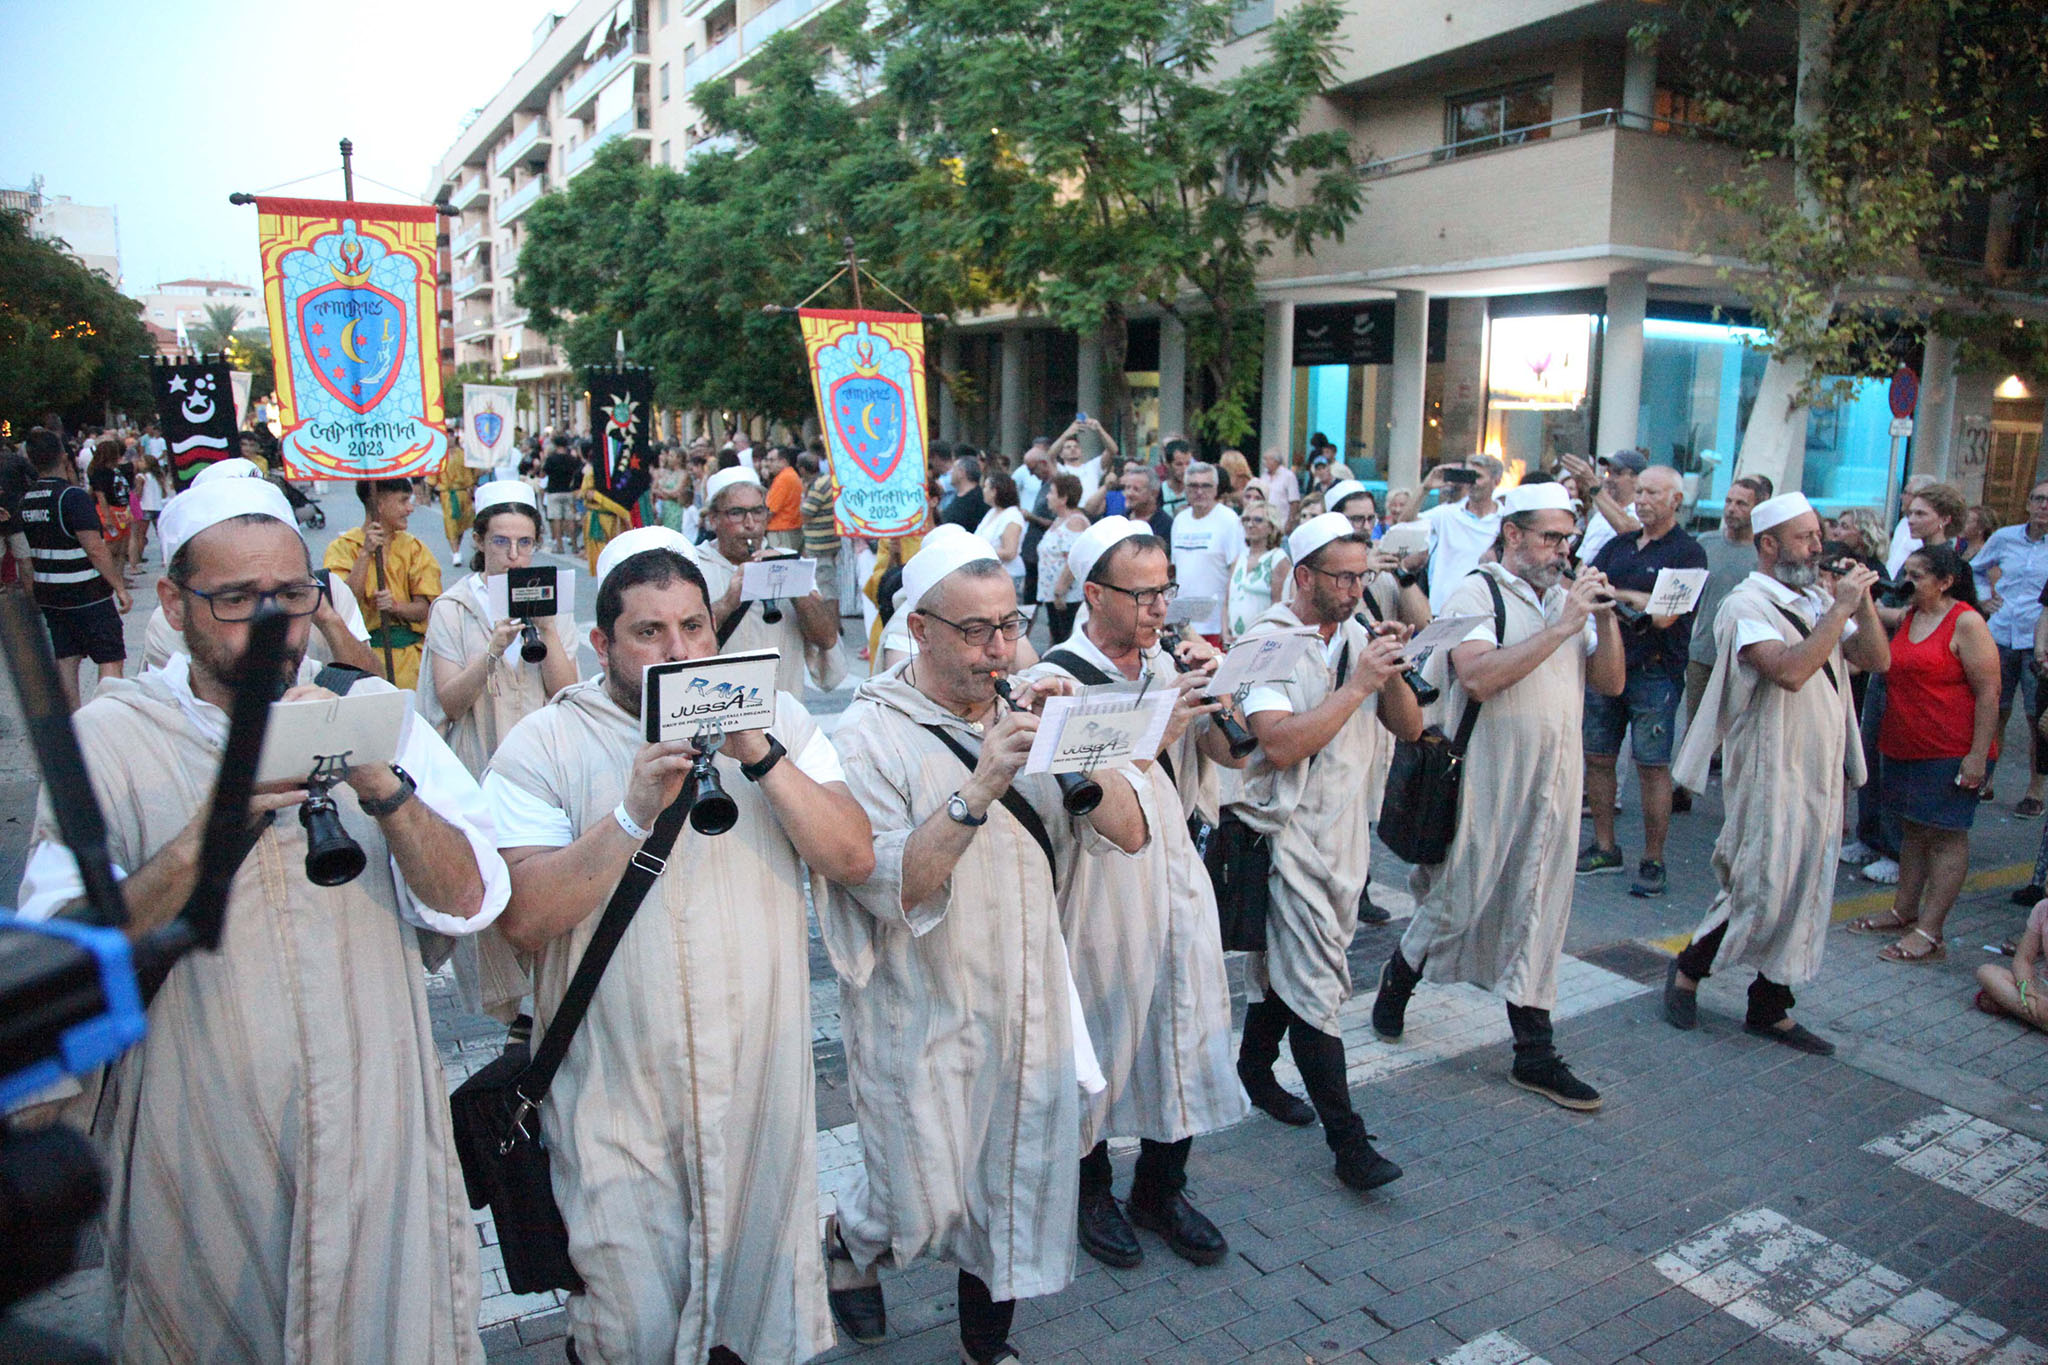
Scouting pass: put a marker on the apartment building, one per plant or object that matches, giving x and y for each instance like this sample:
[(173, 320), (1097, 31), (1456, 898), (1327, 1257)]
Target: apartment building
[(91, 233), (1536, 268)]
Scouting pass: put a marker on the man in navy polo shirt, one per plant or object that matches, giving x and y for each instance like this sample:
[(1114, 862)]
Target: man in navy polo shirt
[(1656, 648)]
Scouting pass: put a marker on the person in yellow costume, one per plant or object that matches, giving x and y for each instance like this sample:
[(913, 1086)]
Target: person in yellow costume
[(603, 516), (396, 596), (452, 483)]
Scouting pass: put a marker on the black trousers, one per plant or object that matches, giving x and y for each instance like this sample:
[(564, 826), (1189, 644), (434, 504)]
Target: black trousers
[(984, 1323), (1769, 1002), (1319, 1057), (1162, 1170)]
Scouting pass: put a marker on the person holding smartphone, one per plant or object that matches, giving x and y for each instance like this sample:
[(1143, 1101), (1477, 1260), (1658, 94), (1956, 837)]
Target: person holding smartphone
[(1460, 532)]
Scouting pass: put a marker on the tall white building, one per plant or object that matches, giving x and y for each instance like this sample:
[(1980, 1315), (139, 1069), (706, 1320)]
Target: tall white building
[(91, 233), (184, 302)]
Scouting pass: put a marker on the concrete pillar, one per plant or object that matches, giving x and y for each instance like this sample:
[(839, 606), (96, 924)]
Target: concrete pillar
[(1464, 402), (1621, 361), (1638, 86), (1276, 422), (1411, 362), (1087, 390), (1173, 377), (949, 366), (1934, 422), (1010, 398)]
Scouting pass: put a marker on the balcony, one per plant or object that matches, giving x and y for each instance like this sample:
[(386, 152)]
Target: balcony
[(773, 20), (530, 143), (711, 146), (535, 362), (472, 189), (521, 199), (472, 283), (583, 90), (476, 327), (631, 124), (715, 61), (466, 238)]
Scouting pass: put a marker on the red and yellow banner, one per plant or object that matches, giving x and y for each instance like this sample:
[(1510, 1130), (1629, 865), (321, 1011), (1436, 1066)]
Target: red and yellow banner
[(350, 291), (867, 373)]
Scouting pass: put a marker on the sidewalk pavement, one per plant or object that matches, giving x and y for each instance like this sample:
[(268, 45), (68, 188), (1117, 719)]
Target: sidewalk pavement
[(1734, 1201)]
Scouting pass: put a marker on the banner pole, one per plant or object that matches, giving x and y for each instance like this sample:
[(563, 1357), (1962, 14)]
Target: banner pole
[(348, 174)]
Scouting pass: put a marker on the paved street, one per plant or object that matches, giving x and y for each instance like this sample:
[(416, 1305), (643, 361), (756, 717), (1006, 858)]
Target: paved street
[(1734, 1201)]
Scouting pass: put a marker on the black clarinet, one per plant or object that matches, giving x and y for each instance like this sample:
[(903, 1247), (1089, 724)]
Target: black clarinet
[(1079, 793), (1241, 740), (1426, 692)]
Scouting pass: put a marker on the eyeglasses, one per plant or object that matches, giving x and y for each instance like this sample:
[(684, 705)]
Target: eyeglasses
[(505, 545), (745, 513), (979, 633), (1145, 597), (1554, 539), (1342, 580), (242, 604)]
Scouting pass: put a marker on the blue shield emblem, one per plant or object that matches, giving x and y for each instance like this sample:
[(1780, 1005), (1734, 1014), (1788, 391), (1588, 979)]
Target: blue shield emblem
[(488, 426), (868, 414), (354, 335)]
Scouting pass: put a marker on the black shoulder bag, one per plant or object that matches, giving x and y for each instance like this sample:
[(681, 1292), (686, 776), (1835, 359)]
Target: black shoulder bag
[(497, 1111), (1419, 813)]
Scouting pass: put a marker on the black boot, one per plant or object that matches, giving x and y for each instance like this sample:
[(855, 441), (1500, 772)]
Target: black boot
[(855, 1296), (1539, 1068), (1100, 1225), (1159, 1203), (1368, 913), (1390, 1007), (1320, 1058), (1265, 1023)]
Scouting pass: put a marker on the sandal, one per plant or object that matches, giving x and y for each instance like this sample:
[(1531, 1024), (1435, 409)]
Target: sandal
[(1936, 951), (2029, 807), (1872, 924)]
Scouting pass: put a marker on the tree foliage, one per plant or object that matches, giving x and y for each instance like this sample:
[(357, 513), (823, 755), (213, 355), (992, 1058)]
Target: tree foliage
[(1090, 154), (69, 341)]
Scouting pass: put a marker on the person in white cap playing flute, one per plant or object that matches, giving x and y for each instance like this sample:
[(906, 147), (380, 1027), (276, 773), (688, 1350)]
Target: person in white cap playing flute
[(736, 509), (1778, 707)]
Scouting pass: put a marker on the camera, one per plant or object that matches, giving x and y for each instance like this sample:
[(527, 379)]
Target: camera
[(1894, 593)]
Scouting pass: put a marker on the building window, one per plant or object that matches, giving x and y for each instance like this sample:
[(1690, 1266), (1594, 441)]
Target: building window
[(1250, 16), (664, 152), (661, 13), (664, 82), (1497, 118)]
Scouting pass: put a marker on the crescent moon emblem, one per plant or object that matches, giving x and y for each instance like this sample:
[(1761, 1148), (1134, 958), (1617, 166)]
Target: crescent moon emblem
[(348, 340), (867, 421)]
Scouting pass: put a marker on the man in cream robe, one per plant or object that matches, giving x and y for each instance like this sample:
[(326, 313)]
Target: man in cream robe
[(283, 1184), (1494, 913), (1143, 932), (736, 509), (681, 1125), (959, 1009), (1779, 709), (1319, 736)]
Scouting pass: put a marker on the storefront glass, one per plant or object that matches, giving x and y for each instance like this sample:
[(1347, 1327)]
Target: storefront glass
[(1538, 390)]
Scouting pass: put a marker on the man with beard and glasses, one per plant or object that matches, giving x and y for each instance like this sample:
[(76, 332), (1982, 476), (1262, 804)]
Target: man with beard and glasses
[(1494, 913), (1778, 707), (682, 1127), (1305, 791), (283, 1181)]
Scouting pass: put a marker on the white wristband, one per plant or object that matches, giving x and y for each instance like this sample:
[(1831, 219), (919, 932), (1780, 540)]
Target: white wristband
[(626, 823)]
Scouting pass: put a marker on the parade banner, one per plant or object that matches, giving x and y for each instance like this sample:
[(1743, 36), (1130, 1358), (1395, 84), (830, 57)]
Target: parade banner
[(195, 409), (622, 418), (349, 288), (488, 416), (867, 374)]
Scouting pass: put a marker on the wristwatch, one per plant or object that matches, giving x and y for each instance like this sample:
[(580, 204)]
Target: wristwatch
[(377, 810), (754, 772), (956, 808), (1403, 578)]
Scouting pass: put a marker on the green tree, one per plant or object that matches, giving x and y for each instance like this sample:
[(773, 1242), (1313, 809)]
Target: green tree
[(1087, 152), (69, 341), (1898, 117), (212, 336), (249, 350)]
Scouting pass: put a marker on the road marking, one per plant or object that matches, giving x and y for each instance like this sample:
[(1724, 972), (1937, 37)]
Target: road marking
[(1995, 1166), (1495, 1348), (1813, 1294)]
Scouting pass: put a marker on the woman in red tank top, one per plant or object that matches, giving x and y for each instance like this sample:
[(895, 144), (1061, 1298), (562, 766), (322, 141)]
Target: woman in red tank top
[(1940, 719)]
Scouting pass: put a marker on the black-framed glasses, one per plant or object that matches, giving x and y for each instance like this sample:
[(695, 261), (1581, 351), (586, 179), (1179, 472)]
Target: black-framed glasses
[(979, 633), (1342, 580), (242, 604), (1145, 597), (736, 513), (1554, 539)]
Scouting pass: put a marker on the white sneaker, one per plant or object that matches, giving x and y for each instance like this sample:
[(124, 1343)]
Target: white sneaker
[(1884, 871), (1857, 852)]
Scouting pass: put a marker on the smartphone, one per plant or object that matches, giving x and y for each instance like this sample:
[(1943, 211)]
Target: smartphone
[(1081, 418), (1460, 476)]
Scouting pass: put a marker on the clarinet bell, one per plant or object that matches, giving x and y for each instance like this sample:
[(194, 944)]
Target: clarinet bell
[(532, 649), (714, 811), (1426, 692), (1079, 793), (1240, 740)]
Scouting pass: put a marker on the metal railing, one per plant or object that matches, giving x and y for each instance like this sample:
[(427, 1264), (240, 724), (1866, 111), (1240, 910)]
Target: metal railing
[(521, 199), (1511, 138), (632, 121), (524, 142), (716, 60), (584, 88)]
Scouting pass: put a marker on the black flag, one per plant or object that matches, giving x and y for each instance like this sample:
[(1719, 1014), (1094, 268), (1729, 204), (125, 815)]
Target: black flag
[(622, 417), (195, 405)]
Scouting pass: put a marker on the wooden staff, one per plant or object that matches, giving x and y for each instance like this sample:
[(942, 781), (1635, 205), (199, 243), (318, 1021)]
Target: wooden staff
[(384, 618)]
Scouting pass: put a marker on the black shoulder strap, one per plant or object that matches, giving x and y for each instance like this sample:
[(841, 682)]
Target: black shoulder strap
[(339, 678), (1470, 717), (732, 622), (1372, 608), (648, 861), (1012, 802), (1827, 665)]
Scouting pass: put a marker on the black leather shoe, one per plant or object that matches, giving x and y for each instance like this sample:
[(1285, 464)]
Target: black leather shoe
[(1275, 1099), (1105, 1234), (1793, 1036), (1553, 1080), (1188, 1234), (1390, 1006), (1368, 913), (1681, 1008), (1362, 1168), (855, 1296)]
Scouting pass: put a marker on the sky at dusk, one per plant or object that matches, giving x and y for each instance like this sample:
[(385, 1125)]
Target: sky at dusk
[(161, 107)]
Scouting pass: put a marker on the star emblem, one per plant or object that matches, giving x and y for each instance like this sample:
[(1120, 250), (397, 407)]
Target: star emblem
[(317, 329), (177, 384), (326, 354)]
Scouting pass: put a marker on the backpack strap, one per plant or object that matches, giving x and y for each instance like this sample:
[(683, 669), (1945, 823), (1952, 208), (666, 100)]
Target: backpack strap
[(339, 678), (1806, 632), (1470, 717)]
